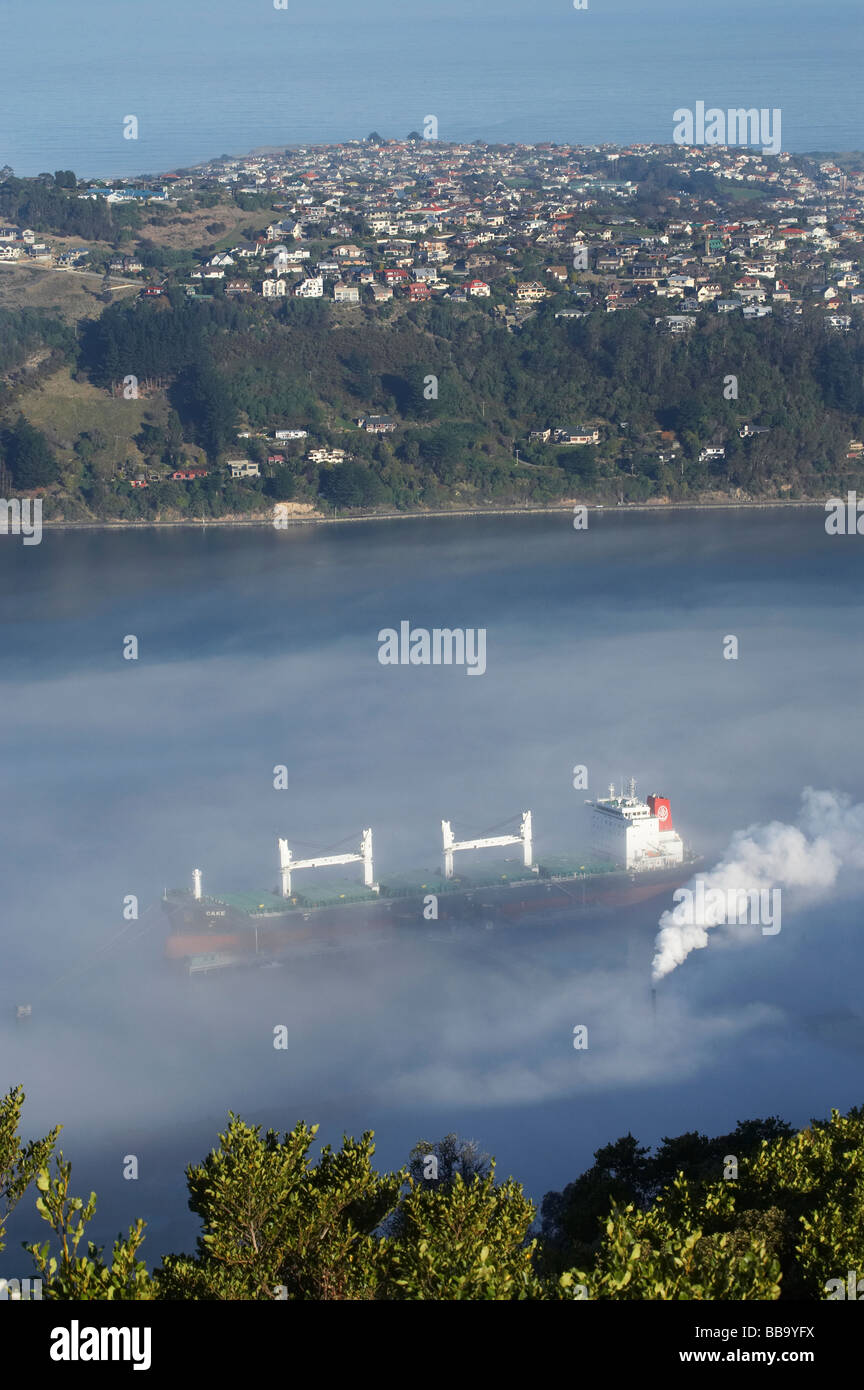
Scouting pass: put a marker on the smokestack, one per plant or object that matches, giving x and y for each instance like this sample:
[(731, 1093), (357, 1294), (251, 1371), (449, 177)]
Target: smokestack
[(196, 884), (807, 856)]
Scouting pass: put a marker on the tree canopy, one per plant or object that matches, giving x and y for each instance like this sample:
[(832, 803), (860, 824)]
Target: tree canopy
[(783, 1219)]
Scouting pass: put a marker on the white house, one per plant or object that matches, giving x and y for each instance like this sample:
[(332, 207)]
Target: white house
[(310, 288), (327, 456)]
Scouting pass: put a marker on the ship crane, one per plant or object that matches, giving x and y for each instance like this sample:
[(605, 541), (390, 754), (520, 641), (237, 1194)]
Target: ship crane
[(451, 845), (288, 863)]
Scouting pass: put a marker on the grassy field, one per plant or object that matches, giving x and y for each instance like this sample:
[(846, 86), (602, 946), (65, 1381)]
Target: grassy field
[(71, 297), (65, 408), (730, 189), (187, 230)]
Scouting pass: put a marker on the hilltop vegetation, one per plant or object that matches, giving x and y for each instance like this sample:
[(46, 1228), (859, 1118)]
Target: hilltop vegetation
[(507, 311), (777, 1215), (207, 368)]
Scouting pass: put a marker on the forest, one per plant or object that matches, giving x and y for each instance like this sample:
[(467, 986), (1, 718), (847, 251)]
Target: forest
[(761, 1213), (214, 366), (49, 204)]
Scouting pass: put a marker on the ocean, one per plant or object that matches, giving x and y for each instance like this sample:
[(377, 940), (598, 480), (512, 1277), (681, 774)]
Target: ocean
[(226, 76)]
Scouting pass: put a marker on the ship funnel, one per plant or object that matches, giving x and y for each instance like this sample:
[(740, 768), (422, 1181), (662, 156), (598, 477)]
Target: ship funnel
[(196, 884)]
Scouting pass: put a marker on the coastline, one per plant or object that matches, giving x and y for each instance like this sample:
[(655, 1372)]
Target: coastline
[(289, 523)]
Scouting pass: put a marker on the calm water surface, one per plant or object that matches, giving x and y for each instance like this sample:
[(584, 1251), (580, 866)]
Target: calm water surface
[(259, 648)]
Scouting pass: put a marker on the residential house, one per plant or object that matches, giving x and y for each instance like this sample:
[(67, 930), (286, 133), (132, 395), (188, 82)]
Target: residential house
[(310, 288), (376, 424), (530, 292), (676, 323), (581, 435), (327, 456)]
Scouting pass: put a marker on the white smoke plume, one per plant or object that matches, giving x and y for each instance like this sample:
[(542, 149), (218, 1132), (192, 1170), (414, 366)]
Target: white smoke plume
[(828, 836)]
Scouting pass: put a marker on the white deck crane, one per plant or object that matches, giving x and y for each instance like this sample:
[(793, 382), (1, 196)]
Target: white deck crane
[(451, 845), (288, 863)]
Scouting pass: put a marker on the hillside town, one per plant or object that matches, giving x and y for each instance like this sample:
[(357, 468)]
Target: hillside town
[(370, 223), (377, 227)]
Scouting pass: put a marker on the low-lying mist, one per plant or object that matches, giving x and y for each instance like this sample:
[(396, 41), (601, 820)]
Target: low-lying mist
[(259, 649)]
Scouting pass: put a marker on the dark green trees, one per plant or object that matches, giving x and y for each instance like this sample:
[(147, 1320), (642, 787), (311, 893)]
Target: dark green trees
[(28, 456), (779, 1215)]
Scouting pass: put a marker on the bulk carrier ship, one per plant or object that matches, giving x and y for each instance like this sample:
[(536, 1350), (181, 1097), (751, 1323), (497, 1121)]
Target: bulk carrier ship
[(636, 855)]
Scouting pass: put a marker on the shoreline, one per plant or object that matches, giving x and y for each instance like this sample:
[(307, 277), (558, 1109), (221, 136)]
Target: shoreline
[(288, 523)]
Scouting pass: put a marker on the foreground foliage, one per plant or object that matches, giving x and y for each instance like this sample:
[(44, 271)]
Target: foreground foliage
[(784, 1215)]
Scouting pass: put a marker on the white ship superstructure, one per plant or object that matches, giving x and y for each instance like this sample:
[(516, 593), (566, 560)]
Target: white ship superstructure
[(636, 834)]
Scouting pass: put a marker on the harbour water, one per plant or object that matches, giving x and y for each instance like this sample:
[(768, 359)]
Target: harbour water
[(258, 649)]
